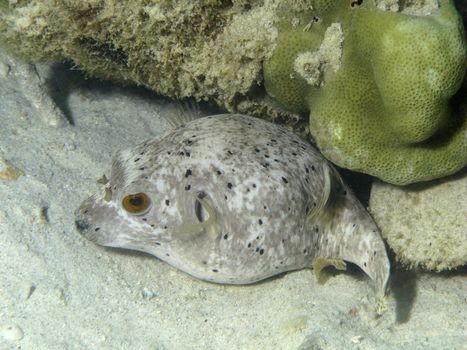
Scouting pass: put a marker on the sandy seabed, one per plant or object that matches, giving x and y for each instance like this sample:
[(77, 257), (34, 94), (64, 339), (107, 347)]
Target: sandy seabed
[(59, 291)]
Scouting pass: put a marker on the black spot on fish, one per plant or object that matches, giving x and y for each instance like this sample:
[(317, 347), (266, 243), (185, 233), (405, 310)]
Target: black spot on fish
[(97, 229), (249, 245), (229, 185), (142, 153), (188, 154), (260, 221), (142, 168), (214, 270), (187, 187), (137, 159), (181, 153), (254, 185), (167, 202), (219, 172), (285, 180), (229, 153), (307, 170), (225, 197), (257, 150), (261, 251), (294, 154), (158, 243), (313, 168), (188, 172), (204, 262), (226, 236), (257, 249)]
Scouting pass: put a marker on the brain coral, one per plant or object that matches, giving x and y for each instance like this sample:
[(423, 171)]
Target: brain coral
[(378, 86), (424, 224)]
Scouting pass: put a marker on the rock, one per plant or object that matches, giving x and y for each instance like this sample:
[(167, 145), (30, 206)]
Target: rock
[(11, 332)]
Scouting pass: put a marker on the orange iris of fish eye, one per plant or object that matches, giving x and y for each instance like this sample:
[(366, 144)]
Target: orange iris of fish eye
[(137, 203)]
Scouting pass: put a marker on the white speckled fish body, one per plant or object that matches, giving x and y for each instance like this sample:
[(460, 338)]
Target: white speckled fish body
[(234, 199)]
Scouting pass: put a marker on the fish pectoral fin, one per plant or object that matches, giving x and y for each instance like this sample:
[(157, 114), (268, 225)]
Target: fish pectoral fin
[(320, 263), (210, 226)]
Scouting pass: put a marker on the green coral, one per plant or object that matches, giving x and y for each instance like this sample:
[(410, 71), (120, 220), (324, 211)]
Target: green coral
[(383, 107)]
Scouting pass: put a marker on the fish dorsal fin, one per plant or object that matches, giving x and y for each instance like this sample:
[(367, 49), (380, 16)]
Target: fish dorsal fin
[(325, 195), (210, 225), (185, 112)]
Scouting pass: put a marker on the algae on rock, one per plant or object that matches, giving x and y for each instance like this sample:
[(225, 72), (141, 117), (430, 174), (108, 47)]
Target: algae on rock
[(210, 50)]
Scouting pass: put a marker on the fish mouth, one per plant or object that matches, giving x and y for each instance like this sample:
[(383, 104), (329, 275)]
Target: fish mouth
[(82, 225), (85, 222), (85, 228)]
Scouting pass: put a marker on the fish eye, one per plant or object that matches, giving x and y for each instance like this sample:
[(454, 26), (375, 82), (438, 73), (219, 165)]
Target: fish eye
[(137, 203)]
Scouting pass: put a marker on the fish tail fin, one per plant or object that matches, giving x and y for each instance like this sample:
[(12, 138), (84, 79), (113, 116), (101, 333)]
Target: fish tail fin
[(349, 234)]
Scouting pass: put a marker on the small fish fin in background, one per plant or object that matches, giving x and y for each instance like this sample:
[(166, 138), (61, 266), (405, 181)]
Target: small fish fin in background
[(187, 110)]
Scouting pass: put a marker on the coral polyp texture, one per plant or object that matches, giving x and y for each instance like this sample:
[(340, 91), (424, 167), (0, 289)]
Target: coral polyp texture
[(377, 84)]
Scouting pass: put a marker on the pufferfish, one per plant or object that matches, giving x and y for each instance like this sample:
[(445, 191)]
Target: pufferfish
[(233, 199)]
